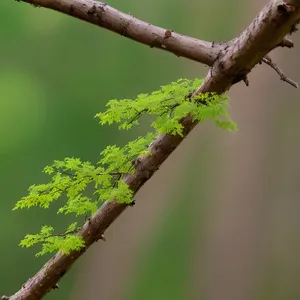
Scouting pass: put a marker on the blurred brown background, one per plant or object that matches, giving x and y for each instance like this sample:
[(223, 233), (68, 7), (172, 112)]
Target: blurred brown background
[(219, 220)]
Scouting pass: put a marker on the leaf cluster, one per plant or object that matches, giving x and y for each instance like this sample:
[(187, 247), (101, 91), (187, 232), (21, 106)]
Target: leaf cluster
[(51, 242), (169, 105), (85, 186)]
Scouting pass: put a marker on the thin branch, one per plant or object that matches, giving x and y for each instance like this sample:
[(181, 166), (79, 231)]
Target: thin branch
[(232, 65), (267, 60), (107, 17)]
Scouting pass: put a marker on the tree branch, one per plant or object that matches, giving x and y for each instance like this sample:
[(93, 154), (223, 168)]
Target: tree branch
[(231, 65), (105, 16), (267, 60)]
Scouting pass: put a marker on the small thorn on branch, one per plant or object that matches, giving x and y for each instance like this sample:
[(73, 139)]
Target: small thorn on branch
[(246, 80), (286, 8), (267, 60), (286, 42), (102, 237), (132, 203), (294, 28), (56, 286)]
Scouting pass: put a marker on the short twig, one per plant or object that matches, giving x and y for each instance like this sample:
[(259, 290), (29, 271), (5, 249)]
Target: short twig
[(246, 80), (56, 286), (286, 42), (267, 60)]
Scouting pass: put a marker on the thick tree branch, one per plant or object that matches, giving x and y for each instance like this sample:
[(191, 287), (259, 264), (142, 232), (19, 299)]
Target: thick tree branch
[(231, 65), (105, 16)]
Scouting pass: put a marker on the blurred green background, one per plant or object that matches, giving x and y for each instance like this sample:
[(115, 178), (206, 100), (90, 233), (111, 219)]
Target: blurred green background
[(220, 220)]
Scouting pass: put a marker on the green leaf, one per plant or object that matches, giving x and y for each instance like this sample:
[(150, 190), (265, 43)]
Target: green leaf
[(80, 185)]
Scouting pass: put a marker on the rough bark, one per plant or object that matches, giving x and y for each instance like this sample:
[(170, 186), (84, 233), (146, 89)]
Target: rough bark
[(231, 64)]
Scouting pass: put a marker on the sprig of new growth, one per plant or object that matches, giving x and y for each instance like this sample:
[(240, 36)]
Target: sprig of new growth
[(75, 179)]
